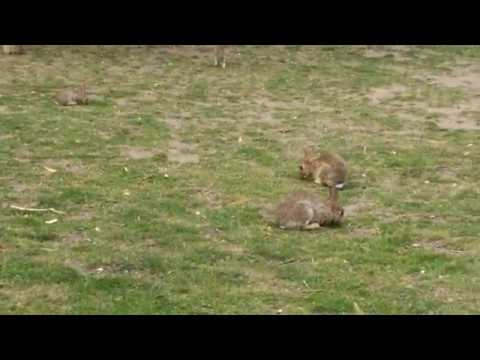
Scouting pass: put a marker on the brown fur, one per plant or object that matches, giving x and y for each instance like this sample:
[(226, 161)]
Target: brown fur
[(67, 97), (328, 169), (306, 211)]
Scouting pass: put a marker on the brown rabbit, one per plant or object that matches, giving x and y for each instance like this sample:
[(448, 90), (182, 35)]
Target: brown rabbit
[(306, 211), (220, 56), (328, 169), (68, 97)]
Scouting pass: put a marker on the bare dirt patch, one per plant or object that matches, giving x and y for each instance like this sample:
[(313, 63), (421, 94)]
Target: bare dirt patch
[(293, 149), (77, 266), (466, 77), (71, 166), (182, 153), (24, 194), (395, 68), (410, 117), (232, 248), (383, 52), (123, 102), (6, 137), (138, 153), (205, 53), (23, 155), (356, 209), (74, 238), (3, 248), (445, 295), (21, 188), (446, 173), (437, 246), (212, 198), (81, 215), (251, 117), (457, 118), (401, 48), (378, 95), (147, 97), (364, 232), (465, 115), (173, 123)]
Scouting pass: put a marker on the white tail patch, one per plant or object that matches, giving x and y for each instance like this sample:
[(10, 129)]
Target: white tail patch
[(340, 186)]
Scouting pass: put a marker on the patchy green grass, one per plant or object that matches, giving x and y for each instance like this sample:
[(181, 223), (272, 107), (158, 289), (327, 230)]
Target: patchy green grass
[(161, 179)]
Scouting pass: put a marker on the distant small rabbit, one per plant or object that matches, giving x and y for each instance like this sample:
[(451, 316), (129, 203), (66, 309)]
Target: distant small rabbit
[(67, 97), (220, 56), (328, 169), (13, 49), (306, 211)]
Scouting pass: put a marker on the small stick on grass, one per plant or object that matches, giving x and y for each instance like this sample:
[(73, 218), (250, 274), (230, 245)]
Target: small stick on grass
[(36, 210), (148, 177), (293, 261)]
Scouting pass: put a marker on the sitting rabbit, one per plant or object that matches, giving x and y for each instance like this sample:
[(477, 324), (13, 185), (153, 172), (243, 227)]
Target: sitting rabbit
[(328, 169), (306, 211), (68, 97)]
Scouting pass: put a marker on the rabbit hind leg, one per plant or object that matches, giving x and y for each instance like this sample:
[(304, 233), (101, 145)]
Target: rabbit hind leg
[(311, 226)]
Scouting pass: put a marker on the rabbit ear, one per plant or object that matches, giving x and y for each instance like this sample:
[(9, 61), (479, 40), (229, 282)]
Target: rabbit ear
[(307, 151), (84, 88)]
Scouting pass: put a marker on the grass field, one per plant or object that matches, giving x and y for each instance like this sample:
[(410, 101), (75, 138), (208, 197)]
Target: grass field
[(162, 178)]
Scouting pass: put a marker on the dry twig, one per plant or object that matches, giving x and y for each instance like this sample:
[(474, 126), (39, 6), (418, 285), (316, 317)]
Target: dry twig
[(36, 210)]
